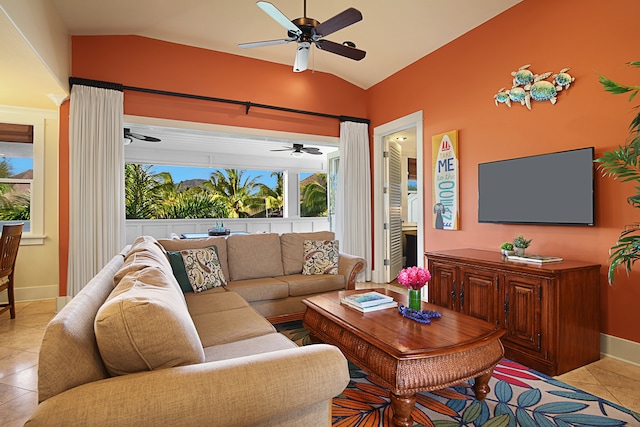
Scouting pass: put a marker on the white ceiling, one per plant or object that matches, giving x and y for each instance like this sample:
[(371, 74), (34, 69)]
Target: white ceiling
[(393, 33)]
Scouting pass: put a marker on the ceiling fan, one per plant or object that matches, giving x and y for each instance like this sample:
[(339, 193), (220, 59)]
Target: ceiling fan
[(130, 136), (299, 149), (307, 31)]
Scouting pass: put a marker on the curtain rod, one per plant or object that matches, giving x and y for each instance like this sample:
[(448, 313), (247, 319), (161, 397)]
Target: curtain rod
[(247, 104)]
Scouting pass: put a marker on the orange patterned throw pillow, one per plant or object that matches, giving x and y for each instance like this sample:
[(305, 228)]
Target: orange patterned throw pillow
[(203, 268), (320, 257)]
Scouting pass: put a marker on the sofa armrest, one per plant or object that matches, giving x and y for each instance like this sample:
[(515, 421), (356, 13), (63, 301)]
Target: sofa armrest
[(243, 391), (349, 266)]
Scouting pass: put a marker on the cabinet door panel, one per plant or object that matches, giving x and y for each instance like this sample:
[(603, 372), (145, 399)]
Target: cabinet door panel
[(442, 289), (522, 306), (478, 294)]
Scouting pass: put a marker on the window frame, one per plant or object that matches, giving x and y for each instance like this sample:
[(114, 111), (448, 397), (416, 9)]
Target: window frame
[(36, 118)]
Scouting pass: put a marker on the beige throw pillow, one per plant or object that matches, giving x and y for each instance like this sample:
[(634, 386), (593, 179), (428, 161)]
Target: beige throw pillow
[(320, 257), (203, 268)]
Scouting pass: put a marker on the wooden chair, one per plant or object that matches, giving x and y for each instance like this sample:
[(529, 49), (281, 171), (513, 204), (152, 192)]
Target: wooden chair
[(9, 244)]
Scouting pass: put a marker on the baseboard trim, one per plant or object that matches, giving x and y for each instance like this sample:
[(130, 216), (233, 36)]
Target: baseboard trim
[(620, 349), (36, 293)]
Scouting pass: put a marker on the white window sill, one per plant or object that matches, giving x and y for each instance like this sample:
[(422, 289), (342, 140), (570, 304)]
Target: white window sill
[(32, 240)]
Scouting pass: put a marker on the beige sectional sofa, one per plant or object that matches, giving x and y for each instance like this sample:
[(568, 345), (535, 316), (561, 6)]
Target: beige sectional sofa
[(265, 269), (132, 349)]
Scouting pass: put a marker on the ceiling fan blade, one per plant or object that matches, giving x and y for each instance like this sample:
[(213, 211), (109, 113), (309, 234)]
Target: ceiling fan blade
[(311, 150), (279, 17), (338, 22), (302, 57), (264, 43), (283, 149), (340, 49), (129, 134)]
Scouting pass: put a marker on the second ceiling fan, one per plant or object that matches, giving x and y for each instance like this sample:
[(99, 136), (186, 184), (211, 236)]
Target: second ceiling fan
[(307, 31)]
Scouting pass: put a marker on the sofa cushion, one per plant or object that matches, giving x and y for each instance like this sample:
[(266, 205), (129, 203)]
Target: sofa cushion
[(252, 256), (219, 242), (300, 284), (260, 289), (213, 300), (293, 248), (227, 326), (146, 325), (248, 347), (145, 251), (320, 257), (203, 268)]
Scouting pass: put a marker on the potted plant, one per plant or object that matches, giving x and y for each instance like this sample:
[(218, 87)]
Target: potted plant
[(507, 248), (622, 164), (520, 244)]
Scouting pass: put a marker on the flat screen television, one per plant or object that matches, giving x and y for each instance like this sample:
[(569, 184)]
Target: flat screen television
[(555, 188)]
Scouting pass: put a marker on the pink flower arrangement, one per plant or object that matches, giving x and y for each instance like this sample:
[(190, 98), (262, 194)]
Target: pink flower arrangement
[(414, 277)]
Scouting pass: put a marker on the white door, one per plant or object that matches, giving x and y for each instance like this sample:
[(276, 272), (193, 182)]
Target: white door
[(393, 210)]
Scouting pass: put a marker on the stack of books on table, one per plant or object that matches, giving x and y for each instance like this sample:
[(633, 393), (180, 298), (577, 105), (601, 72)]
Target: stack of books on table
[(369, 301)]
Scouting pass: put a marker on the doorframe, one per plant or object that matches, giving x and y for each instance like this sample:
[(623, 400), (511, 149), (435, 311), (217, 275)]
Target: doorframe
[(379, 133)]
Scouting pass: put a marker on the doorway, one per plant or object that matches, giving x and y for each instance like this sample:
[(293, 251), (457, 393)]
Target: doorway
[(385, 248)]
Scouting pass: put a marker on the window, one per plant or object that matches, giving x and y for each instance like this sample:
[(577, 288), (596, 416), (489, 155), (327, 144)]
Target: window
[(16, 178), (313, 194), (22, 188), (175, 192)]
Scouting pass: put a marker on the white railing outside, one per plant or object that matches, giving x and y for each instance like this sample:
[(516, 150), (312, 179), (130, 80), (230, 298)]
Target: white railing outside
[(163, 228)]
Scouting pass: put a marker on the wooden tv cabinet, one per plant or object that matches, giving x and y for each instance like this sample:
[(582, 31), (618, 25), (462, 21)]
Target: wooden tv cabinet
[(550, 312)]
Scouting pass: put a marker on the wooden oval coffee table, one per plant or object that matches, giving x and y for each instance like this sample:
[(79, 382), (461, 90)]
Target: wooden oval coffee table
[(406, 356)]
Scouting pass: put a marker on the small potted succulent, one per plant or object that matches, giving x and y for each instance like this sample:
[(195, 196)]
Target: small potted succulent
[(507, 248), (520, 244)]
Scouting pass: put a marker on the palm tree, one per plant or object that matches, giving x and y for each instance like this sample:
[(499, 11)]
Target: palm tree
[(313, 197), (14, 205), (141, 186), (237, 192), (19, 208), (193, 203), (273, 197)]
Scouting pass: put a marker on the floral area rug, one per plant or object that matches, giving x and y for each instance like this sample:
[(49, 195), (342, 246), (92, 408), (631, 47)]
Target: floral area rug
[(519, 397)]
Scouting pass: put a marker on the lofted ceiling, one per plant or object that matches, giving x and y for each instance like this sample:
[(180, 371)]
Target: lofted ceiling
[(393, 33)]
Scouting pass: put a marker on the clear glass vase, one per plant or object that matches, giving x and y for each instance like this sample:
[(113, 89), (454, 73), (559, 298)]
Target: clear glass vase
[(414, 299)]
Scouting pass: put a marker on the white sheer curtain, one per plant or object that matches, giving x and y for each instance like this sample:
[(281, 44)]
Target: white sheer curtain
[(353, 198), (96, 182)]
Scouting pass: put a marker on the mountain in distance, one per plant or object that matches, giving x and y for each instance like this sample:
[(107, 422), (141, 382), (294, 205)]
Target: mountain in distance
[(191, 183)]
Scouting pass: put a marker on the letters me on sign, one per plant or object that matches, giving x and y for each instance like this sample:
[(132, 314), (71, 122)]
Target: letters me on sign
[(446, 215)]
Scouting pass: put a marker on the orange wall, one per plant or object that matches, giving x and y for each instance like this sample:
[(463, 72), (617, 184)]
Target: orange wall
[(142, 62), (455, 85)]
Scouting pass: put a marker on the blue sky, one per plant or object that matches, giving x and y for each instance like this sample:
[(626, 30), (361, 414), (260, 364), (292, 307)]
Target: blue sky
[(19, 164), (182, 173)]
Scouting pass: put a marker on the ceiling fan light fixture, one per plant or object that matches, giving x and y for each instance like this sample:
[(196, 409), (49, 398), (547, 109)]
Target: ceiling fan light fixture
[(348, 43), (296, 154)]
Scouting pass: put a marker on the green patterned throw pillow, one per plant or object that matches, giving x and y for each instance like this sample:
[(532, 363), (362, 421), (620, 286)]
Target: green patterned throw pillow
[(177, 265), (203, 268), (320, 257)]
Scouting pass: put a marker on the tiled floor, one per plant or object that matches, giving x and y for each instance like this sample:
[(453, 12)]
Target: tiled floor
[(19, 345), (20, 339)]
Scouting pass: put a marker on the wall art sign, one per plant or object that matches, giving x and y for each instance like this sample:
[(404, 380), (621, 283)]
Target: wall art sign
[(527, 86), (445, 180)]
